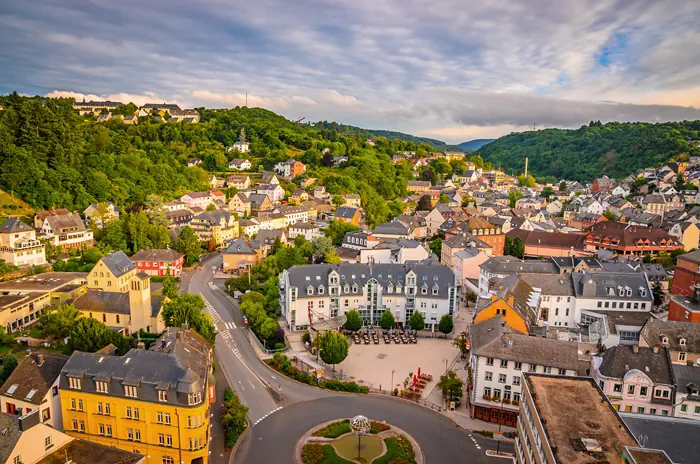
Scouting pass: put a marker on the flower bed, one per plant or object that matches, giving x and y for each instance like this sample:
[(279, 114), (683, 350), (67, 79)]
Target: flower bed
[(399, 450), (339, 428), (316, 453)]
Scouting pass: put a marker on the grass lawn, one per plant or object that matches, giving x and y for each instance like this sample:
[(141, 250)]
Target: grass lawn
[(398, 448), (336, 429), (316, 453), (347, 447)]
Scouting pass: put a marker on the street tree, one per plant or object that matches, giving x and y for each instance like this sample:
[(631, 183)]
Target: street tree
[(450, 385), (514, 247), (91, 335), (170, 287), (461, 343), (334, 347), (187, 308), (387, 321), (189, 245), (446, 325), (416, 321), (353, 321)]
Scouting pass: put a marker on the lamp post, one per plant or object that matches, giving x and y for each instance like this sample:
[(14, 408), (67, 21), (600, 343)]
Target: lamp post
[(500, 417), (359, 426), (445, 359), (391, 386)]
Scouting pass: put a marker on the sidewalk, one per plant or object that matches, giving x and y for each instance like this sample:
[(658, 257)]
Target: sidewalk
[(461, 418), (218, 453)]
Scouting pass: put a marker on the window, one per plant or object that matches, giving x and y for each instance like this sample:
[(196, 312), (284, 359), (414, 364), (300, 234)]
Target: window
[(600, 304), (516, 396), (104, 318), (547, 370), (664, 412), (130, 434), (131, 391), (556, 312), (518, 366), (643, 391), (117, 318), (602, 385), (82, 426), (662, 393), (684, 408), (163, 396), (504, 363), (681, 356), (161, 439), (640, 409), (487, 391), (496, 394), (108, 409), (169, 440), (72, 404), (167, 460), (532, 368), (128, 412), (99, 408), (109, 430), (101, 387), (652, 411), (137, 435), (502, 378), (630, 389), (80, 405), (697, 410), (617, 388), (194, 398), (489, 361), (102, 429), (159, 417), (516, 380), (489, 376), (567, 311), (75, 425), (167, 418), (17, 459), (74, 383), (136, 413), (562, 371)]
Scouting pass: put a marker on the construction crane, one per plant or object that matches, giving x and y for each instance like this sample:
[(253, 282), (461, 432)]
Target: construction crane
[(298, 121)]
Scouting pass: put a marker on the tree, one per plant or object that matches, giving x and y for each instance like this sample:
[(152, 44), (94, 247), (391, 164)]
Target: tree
[(336, 230), (680, 182), (187, 308), (461, 343), (338, 200), (138, 227), (387, 321), (658, 293), (320, 246), (90, 335), (609, 215), (444, 198), (416, 321), (425, 203), (170, 287), (58, 323), (515, 247), (547, 192), (526, 181), (9, 363), (562, 186), (513, 197), (435, 246), (234, 417), (353, 321), (451, 385), (334, 347), (332, 257), (189, 245), (156, 211), (446, 324)]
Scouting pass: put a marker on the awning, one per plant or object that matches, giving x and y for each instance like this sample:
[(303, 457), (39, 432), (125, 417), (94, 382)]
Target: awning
[(325, 325)]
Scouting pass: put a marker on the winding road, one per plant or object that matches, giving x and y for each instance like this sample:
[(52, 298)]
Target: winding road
[(282, 410)]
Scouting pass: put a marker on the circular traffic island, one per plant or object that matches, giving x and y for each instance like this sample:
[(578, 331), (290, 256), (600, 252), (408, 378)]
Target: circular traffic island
[(357, 440)]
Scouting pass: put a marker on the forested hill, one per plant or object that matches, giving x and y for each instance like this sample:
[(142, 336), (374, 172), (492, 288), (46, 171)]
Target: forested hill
[(51, 156), (371, 133), (614, 149)]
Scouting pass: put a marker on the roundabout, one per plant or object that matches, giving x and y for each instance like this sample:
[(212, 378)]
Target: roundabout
[(435, 438), (357, 440)]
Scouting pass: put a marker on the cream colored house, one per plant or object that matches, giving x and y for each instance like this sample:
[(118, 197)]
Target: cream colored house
[(19, 245)]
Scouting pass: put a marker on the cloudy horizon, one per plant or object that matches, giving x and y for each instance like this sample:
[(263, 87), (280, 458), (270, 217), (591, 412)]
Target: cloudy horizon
[(443, 69)]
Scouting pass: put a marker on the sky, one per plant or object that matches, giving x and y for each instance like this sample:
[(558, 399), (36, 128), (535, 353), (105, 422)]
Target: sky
[(454, 70)]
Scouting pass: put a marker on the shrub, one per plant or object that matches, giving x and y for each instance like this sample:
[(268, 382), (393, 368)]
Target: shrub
[(306, 337), (338, 385), (316, 453), (485, 433), (234, 418), (334, 430), (399, 450), (377, 427)]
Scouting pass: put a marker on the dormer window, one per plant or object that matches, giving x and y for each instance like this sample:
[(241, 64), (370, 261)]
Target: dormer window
[(74, 383), (309, 290), (681, 341), (424, 291), (163, 396), (131, 391), (398, 288), (321, 290), (664, 340), (194, 398), (101, 387), (354, 288), (642, 291), (346, 289), (390, 288)]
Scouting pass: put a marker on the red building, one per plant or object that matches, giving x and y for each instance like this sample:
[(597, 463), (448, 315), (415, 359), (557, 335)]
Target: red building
[(630, 240), (685, 308), (686, 274), (157, 262)]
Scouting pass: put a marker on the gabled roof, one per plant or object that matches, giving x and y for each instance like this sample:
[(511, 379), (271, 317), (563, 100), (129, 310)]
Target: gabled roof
[(240, 246), (655, 329), (29, 376), (166, 255), (118, 263), (104, 302), (14, 225), (620, 359)]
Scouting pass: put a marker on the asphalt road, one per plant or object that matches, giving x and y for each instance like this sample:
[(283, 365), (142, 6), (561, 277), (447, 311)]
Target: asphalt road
[(282, 410)]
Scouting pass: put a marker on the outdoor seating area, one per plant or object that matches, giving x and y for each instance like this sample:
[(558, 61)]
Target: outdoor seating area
[(372, 336)]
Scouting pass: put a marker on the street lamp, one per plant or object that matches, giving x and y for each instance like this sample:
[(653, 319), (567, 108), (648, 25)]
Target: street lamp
[(500, 420), (391, 386), (445, 359)]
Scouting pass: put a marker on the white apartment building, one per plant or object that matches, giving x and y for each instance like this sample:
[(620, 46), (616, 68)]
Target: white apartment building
[(326, 291), (687, 403), (293, 214), (67, 231), (306, 229), (500, 356), (19, 245)]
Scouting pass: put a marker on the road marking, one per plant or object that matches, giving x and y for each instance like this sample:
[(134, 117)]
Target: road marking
[(266, 415), (251, 384), (230, 325), (225, 334)]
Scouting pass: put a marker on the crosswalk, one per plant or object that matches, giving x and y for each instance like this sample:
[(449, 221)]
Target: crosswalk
[(229, 325)]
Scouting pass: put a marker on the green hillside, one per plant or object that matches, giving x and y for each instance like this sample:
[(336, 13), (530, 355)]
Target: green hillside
[(615, 149), (51, 156)]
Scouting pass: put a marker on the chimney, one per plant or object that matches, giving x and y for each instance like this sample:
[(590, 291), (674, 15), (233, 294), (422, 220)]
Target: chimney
[(40, 359), (696, 293), (140, 346), (656, 348), (635, 348)]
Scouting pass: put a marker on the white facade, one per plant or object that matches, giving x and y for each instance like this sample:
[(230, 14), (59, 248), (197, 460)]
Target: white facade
[(20, 247), (242, 147), (327, 291), (387, 255), (274, 192), (240, 165), (306, 230)]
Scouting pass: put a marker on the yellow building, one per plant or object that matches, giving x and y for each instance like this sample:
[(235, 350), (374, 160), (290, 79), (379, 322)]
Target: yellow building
[(154, 402), (218, 224), (514, 301), (23, 300), (119, 295)]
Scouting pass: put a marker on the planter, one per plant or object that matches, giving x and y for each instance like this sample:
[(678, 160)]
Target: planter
[(487, 398), (515, 402), (506, 401)]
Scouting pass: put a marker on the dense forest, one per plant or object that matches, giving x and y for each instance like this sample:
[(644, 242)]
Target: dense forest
[(615, 149), (51, 156), (372, 133)]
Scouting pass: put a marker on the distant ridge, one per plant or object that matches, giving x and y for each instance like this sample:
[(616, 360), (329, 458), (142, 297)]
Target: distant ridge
[(391, 135), (473, 145)]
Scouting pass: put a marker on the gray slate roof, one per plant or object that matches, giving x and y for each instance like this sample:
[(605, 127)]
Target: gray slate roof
[(670, 434), (600, 284), (10, 436), (29, 375), (240, 246), (493, 339), (509, 264), (14, 225), (687, 379), (549, 284), (118, 263), (104, 302), (655, 329), (428, 276), (620, 359), (166, 255)]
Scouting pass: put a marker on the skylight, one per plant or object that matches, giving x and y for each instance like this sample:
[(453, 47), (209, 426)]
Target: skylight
[(12, 389), (30, 395)]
